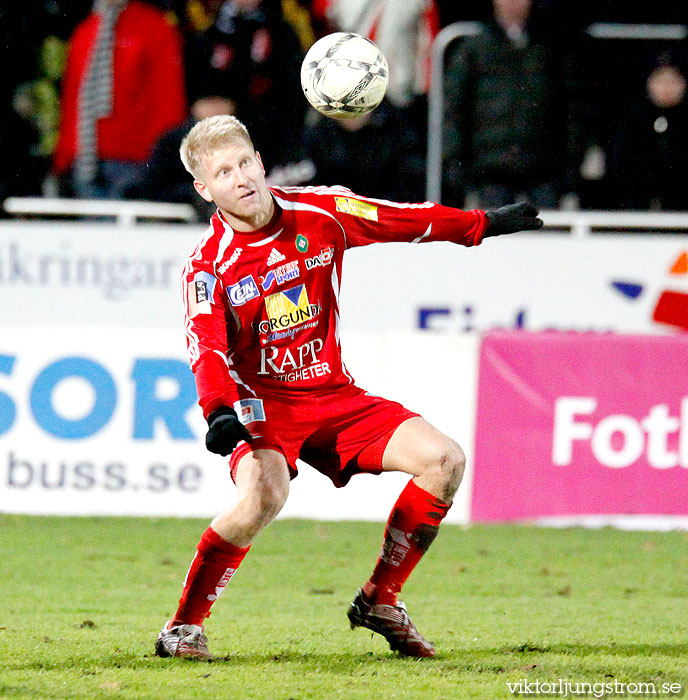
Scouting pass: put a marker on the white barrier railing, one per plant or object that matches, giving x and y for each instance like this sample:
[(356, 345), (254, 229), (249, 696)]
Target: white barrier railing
[(433, 172), (584, 223), (124, 213), (647, 32), (579, 224)]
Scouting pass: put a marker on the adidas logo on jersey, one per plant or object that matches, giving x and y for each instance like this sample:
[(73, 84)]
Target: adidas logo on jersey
[(275, 257)]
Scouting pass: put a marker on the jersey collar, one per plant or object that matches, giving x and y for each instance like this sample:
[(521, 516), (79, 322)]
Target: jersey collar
[(270, 229)]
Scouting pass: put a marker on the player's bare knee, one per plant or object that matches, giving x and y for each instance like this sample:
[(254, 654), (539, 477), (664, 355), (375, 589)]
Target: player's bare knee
[(449, 468), (271, 498)]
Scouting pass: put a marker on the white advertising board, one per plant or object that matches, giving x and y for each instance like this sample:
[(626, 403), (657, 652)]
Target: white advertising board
[(100, 274), (103, 421), (57, 273), (529, 281)]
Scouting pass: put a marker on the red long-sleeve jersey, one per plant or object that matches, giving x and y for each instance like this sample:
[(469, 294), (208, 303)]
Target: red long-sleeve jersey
[(262, 308)]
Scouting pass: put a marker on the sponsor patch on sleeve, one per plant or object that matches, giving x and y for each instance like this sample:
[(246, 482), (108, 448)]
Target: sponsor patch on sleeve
[(355, 207), (200, 293)]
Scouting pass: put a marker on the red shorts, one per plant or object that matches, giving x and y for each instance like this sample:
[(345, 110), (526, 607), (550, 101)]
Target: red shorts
[(339, 434)]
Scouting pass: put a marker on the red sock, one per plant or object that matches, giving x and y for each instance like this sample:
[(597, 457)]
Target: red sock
[(411, 528), (212, 568)]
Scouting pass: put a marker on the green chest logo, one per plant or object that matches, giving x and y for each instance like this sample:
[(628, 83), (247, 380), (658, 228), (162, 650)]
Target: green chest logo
[(301, 243)]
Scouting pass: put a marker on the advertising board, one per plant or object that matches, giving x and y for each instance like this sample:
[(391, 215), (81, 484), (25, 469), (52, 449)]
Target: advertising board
[(581, 424), (104, 421), (56, 273)]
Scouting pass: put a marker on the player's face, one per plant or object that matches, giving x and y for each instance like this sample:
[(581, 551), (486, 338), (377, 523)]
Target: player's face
[(234, 178)]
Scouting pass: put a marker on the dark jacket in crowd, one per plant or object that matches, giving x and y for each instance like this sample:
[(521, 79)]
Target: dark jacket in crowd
[(381, 159), (21, 170), (166, 178), (254, 59), (513, 114), (647, 160)]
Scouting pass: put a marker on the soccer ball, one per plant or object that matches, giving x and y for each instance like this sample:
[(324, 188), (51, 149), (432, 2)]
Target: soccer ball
[(344, 75)]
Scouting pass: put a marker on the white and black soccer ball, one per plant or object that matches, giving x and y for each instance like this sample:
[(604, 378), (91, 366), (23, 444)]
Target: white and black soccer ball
[(344, 75)]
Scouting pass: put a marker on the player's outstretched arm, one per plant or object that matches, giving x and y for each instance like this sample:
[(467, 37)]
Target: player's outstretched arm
[(225, 431), (512, 218)]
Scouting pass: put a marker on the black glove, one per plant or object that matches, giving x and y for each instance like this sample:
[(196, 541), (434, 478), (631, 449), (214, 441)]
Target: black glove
[(225, 430), (512, 218)]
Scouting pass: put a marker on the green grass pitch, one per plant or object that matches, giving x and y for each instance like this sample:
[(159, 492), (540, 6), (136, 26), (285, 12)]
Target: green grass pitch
[(82, 600)]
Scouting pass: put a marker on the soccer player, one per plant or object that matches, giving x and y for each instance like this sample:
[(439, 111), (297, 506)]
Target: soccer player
[(262, 323)]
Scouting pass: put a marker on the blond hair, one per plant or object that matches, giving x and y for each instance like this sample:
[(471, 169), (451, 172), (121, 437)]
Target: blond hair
[(207, 136)]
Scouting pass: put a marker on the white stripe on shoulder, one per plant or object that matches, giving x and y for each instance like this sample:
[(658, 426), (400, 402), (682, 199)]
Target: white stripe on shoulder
[(198, 250), (315, 189), (225, 242), (267, 240), (193, 342), (346, 192), (302, 206)]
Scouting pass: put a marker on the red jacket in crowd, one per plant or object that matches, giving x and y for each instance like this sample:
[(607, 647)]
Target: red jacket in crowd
[(148, 86)]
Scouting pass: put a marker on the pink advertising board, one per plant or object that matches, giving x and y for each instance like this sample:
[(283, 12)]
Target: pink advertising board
[(580, 424)]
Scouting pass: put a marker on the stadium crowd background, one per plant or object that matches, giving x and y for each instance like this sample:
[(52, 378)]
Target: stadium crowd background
[(243, 56)]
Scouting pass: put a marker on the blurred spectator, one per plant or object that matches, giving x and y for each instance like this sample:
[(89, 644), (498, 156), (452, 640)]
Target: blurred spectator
[(20, 168), (451, 11), (253, 56), (299, 17), (166, 179), (577, 13), (123, 87), (34, 44), (515, 118), (647, 161), (374, 154), (194, 16)]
